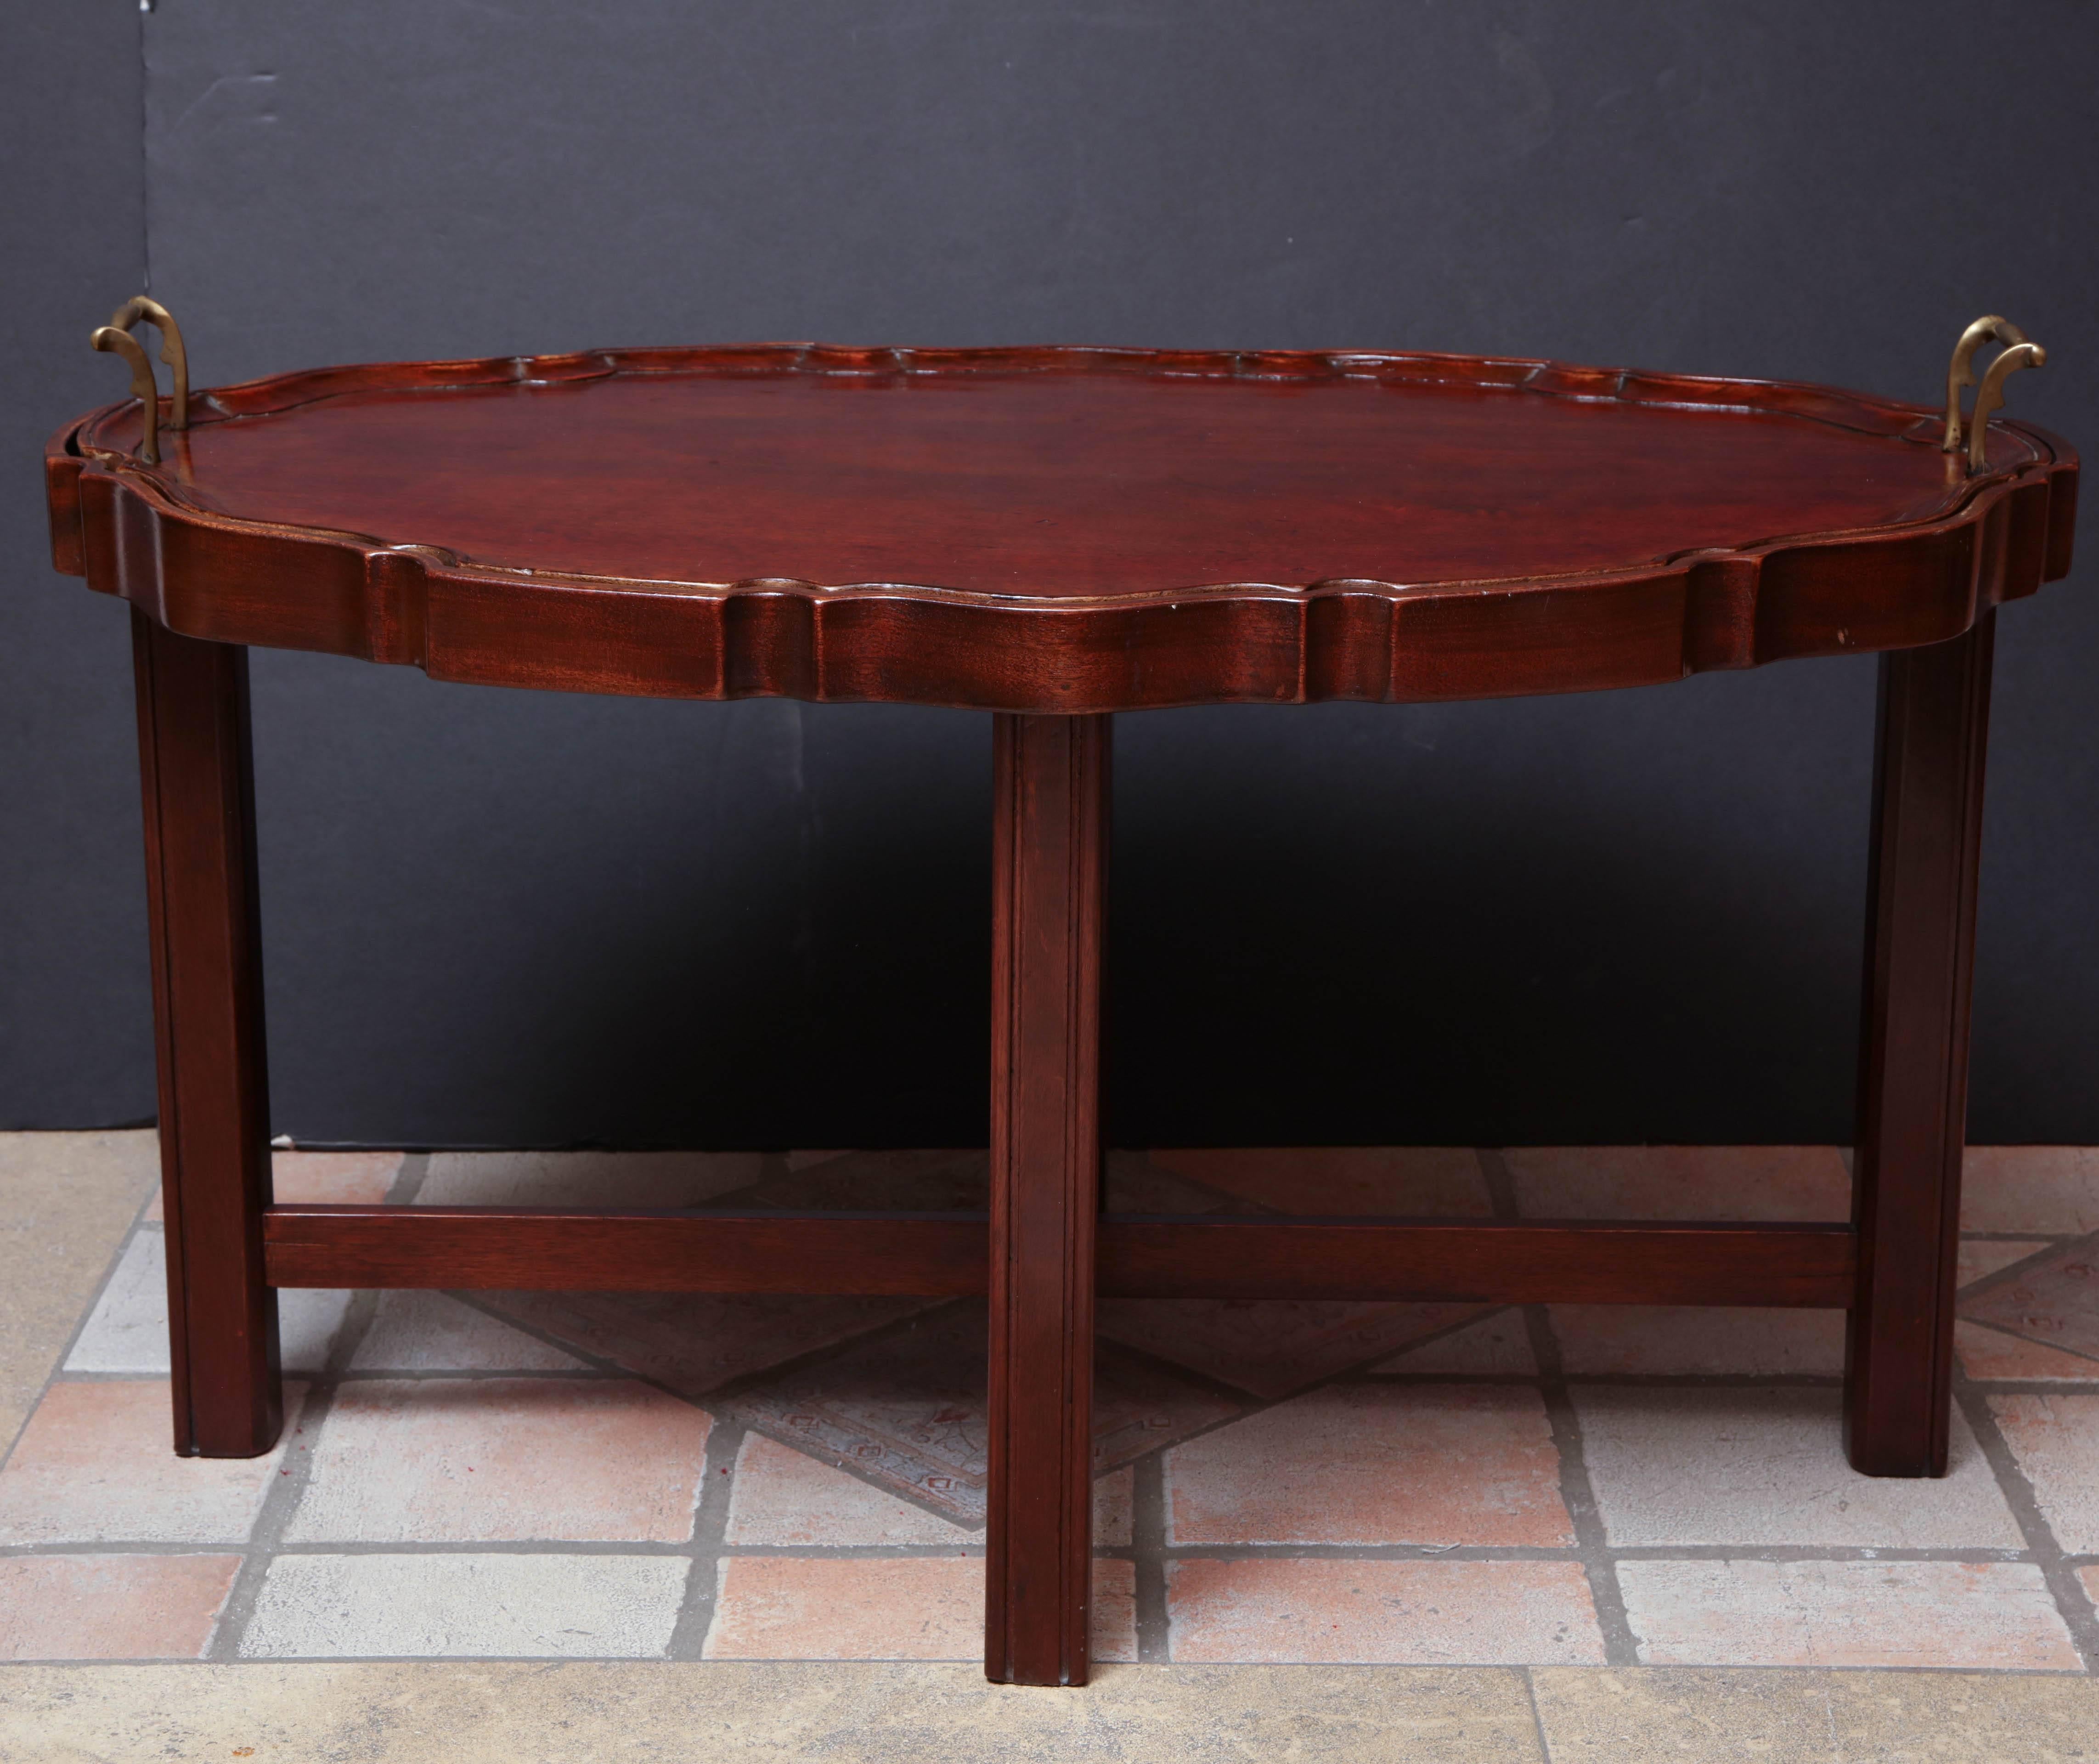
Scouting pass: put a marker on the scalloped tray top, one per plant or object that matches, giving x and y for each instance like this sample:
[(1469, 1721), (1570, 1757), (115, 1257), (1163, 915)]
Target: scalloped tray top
[(1055, 529)]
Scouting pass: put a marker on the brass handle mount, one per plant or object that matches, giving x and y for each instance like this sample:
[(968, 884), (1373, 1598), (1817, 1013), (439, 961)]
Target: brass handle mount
[(1990, 396), (116, 338)]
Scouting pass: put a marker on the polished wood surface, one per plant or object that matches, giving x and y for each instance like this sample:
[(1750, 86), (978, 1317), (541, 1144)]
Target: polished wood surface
[(1056, 530), (1049, 848), (1053, 535), (572, 1249), (1927, 841), (203, 911), (948, 1255), (1543, 1262)]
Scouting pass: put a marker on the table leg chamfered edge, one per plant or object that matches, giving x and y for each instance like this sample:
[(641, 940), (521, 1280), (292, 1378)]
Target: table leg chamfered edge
[(199, 800), (1933, 721), (1050, 847)]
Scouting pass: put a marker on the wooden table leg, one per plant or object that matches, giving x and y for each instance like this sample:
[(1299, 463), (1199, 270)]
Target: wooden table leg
[(1050, 840), (200, 889), (1913, 1053)]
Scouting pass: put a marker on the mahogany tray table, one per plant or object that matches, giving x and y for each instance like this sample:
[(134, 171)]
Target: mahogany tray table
[(1052, 535)]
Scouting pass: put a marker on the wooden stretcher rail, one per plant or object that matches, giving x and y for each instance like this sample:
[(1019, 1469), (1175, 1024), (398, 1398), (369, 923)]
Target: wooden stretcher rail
[(945, 1254)]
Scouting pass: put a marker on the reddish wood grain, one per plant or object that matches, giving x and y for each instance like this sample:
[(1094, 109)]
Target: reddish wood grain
[(578, 1250), (1036, 531), (1934, 707), (1069, 530), (1050, 847), (1561, 1262), (214, 1108), (946, 1256)]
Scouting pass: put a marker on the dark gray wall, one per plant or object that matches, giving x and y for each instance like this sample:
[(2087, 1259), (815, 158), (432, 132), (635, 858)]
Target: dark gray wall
[(76, 1024), (512, 918)]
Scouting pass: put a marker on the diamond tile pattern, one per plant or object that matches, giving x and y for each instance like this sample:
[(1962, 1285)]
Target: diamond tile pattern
[(694, 1343), (905, 1407), (2053, 1300), (783, 1496), (588, 1476), (1271, 1348)]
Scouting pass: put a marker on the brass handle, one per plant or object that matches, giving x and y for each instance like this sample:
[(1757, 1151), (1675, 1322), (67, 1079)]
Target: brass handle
[(1990, 396), (116, 338), (2019, 353), (143, 387)]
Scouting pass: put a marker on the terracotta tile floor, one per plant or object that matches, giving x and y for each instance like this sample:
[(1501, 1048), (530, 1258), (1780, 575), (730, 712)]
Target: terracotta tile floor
[(599, 1476)]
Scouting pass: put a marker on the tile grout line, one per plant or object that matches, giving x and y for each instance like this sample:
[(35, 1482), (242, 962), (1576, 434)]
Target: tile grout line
[(1148, 1534), (1643, 1552), (694, 1610), (26, 1668), (538, 1374), (1591, 1541), (408, 1180), (1626, 1380), (1536, 1715), (2012, 1273), (689, 1630), (2012, 1335), (724, 1396), (1500, 1181), (2071, 1601), (1366, 1372), (1242, 1552), (1248, 1403), (58, 1372), (719, 1401), (619, 1547), (289, 1486)]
